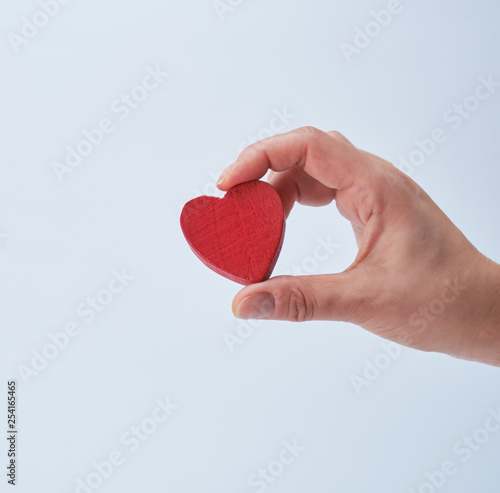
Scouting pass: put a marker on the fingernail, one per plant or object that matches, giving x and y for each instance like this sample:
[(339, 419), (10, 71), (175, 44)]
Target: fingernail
[(223, 175), (256, 306)]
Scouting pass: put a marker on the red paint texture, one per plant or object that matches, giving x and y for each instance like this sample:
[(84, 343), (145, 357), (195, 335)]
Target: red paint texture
[(239, 236)]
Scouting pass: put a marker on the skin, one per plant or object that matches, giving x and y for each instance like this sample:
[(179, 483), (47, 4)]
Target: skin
[(416, 279)]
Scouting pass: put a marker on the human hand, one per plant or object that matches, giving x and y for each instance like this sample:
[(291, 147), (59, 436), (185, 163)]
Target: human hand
[(416, 279)]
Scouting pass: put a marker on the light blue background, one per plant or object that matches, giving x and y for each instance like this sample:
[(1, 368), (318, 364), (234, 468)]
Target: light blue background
[(163, 335)]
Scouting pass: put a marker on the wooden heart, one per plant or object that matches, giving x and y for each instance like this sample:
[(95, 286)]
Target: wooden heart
[(240, 235)]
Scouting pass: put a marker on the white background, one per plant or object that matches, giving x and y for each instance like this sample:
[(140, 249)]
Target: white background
[(164, 334)]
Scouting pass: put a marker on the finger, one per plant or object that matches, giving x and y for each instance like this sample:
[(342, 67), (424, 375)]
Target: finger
[(294, 185), (327, 157), (296, 299)]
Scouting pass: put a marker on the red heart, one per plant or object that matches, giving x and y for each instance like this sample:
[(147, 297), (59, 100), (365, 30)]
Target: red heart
[(239, 236)]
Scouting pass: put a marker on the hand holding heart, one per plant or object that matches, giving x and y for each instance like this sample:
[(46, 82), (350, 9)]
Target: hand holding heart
[(415, 280)]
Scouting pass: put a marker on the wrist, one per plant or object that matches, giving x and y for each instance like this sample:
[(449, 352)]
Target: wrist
[(487, 331)]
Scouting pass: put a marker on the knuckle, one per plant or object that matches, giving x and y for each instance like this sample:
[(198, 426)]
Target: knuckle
[(336, 135), (300, 306), (311, 132)]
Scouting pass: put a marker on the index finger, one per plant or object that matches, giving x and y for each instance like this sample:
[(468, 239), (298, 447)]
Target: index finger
[(328, 157)]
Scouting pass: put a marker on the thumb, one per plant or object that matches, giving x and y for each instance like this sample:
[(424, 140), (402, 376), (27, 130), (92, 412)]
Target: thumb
[(301, 298)]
